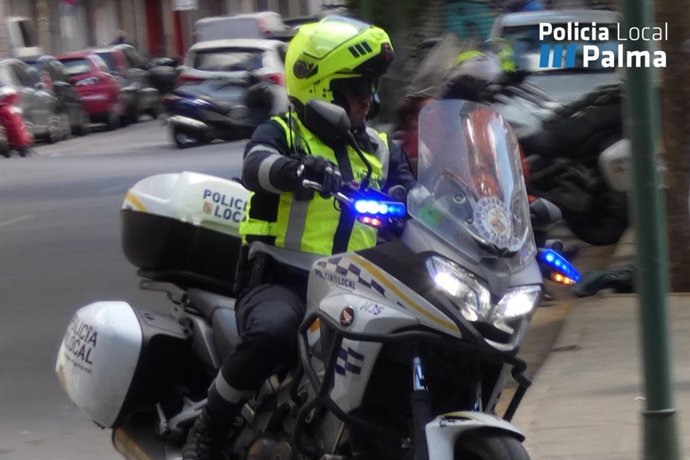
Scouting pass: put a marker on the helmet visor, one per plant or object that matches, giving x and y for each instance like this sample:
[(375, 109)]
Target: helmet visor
[(355, 87)]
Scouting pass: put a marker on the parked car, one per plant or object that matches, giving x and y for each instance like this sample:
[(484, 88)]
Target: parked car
[(228, 58), (129, 68), (521, 30), (39, 106), (73, 116), (97, 88), (264, 25)]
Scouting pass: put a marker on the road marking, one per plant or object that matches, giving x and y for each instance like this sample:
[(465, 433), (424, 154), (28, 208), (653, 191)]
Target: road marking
[(16, 220)]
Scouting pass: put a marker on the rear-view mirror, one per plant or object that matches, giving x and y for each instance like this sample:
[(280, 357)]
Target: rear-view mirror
[(328, 121)]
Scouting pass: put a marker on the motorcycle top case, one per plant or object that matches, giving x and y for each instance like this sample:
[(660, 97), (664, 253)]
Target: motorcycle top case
[(184, 227)]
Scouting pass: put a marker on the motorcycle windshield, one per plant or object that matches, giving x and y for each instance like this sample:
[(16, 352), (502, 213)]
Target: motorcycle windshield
[(470, 186)]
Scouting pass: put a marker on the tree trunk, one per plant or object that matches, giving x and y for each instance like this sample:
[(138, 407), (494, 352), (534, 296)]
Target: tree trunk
[(676, 137)]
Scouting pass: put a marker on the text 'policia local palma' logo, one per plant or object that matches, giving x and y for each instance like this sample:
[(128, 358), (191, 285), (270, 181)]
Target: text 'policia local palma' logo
[(552, 56)]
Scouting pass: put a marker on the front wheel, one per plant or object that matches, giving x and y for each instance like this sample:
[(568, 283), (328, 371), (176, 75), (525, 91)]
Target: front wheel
[(184, 139), (487, 445)]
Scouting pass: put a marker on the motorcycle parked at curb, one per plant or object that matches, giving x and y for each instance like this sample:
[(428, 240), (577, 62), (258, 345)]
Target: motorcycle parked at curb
[(405, 347), (227, 108), (576, 154), (16, 132)]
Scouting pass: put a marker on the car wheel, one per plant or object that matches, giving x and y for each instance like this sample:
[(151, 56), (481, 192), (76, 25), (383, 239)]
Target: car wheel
[(156, 110), (82, 127), (114, 118), (131, 115), (65, 126), (55, 131)]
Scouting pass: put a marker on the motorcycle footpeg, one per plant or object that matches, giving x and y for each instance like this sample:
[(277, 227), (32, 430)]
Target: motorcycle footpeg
[(175, 427)]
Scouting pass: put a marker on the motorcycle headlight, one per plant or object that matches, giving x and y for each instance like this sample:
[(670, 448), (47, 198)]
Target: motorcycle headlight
[(472, 299), (517, 302)]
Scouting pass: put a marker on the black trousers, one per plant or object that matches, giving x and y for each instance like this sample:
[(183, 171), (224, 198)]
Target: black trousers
[(268, 318)]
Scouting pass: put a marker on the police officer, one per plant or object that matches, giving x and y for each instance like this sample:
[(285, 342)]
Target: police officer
[(338, 60)]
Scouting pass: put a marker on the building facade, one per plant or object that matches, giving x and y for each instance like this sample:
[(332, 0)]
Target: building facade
[(155, 27)]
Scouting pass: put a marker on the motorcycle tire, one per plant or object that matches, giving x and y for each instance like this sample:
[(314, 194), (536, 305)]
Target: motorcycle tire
[(487, 445), (184, 140), (604, 222)]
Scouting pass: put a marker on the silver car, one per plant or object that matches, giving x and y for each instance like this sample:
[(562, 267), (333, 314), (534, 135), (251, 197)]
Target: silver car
[(39, 106), (225, 58)]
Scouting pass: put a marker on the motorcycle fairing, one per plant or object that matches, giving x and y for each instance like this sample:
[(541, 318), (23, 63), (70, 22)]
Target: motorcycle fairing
[(364, 299), (350, 272)]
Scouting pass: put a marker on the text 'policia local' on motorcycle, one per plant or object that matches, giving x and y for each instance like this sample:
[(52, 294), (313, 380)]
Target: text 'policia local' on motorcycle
[(405, 347)]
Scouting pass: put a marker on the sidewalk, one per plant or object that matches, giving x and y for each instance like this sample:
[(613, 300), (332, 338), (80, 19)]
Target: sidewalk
[(587, 398)]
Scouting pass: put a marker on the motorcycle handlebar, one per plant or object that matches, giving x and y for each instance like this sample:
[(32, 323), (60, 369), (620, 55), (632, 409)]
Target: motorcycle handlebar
[(340, 196)]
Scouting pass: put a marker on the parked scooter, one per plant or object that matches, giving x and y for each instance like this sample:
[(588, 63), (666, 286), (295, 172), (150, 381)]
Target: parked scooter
[(227, 108), (17, 134), (405, 347), (162, 73), (576, 155)]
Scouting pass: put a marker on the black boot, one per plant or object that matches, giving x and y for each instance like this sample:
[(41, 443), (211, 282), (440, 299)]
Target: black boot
[(205, 440)]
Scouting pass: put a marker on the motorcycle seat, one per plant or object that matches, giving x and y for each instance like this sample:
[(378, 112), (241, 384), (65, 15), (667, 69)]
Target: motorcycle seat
[(220, 311)]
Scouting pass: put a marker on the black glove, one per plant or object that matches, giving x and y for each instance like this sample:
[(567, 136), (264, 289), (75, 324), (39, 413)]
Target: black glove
[(319, 169)]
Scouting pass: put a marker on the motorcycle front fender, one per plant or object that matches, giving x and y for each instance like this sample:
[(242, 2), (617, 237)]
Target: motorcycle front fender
[(444, 430)]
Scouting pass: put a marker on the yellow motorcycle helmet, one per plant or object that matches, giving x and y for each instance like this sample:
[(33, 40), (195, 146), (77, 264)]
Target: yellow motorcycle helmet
[(335, 55)]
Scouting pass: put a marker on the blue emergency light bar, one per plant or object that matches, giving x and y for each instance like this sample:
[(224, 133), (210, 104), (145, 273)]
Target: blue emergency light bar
[(560, 265), (380, 209)]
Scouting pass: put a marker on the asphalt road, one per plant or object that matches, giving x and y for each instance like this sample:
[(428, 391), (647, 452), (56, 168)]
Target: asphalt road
[(60, 249)]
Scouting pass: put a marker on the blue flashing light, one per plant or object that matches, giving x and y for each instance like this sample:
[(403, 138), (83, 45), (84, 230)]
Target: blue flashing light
[(558, 263), (380, 208)]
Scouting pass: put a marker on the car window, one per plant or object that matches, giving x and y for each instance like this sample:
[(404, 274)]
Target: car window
[(229, 59), (109, 60), (6, 77), (57, 71), (527, 46), (22, 76), (76, 66), (100, 63), (133, 57)]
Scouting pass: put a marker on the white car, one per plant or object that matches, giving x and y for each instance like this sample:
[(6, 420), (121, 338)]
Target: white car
[(231, 57), (521, 30)]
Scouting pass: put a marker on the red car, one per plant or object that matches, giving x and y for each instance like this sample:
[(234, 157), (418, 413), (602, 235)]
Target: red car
[(97, 88)]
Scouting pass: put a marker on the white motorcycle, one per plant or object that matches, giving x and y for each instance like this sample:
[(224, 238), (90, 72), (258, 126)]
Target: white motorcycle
[(405, 348)]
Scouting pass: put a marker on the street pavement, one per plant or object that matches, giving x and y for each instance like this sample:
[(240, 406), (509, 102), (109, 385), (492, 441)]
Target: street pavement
[(588, 395)]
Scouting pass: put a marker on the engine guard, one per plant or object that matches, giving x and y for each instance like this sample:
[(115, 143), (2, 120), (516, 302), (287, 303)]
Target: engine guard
[(444, 430)]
